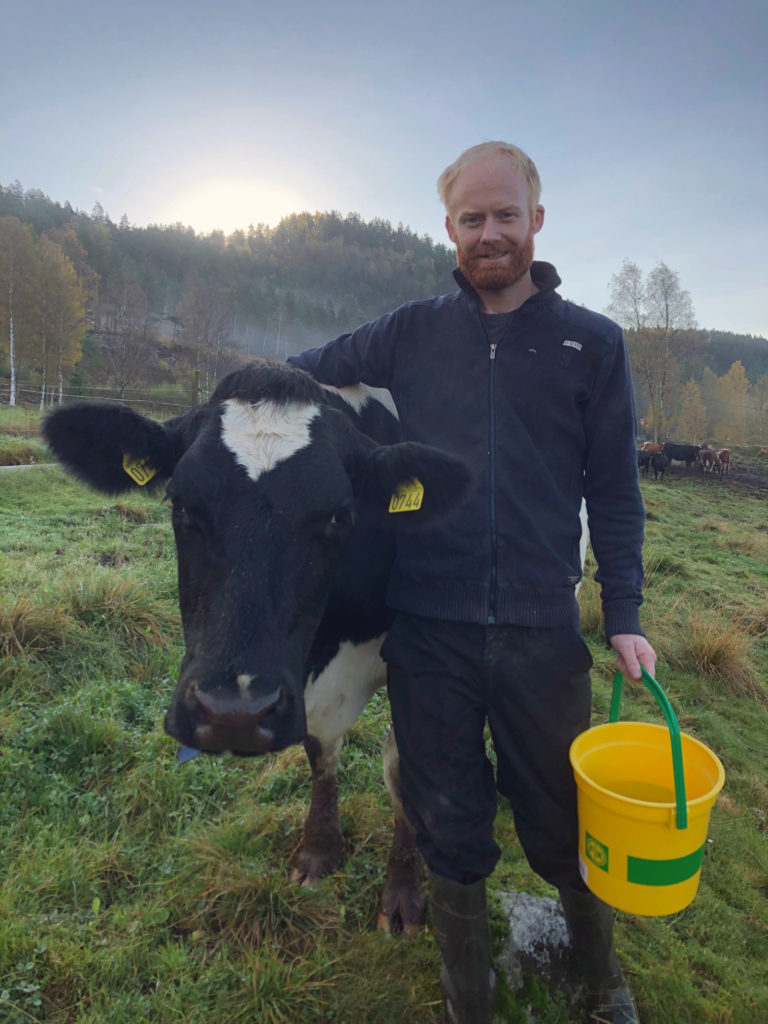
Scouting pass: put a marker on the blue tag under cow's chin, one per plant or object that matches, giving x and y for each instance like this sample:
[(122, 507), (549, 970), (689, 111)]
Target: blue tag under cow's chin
[(187, 753)]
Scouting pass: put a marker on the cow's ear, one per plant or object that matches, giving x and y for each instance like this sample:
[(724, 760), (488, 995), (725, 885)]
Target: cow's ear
[(406, 485), (112, 448)]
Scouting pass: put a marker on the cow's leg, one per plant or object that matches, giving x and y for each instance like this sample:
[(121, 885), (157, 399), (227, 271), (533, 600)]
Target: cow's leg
[(322, 848), (333, 699), (403, 903)]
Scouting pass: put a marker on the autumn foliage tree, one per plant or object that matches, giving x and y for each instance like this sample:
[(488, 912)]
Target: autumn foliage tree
[(731, 422), (60, 319), (42, 309), (691, 422)]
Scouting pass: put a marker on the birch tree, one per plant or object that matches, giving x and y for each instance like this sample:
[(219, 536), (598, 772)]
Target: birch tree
[(654, 310), (17, 264)]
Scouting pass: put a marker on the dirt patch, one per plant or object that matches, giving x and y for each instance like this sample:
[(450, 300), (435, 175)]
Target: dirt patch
[(111, 561), (751, 478)]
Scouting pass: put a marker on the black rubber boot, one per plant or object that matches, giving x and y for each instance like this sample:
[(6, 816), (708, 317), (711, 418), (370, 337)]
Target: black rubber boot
[(590, 926), (460, 919)]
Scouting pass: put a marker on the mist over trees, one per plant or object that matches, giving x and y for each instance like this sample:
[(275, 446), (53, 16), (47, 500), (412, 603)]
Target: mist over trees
[(155, 315)]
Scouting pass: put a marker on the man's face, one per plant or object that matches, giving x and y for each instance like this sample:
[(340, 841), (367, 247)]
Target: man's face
[(491, 223)]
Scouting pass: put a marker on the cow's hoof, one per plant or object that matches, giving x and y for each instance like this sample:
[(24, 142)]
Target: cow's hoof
[(397, 927), (298, 877), (310, 868), (403, 911)]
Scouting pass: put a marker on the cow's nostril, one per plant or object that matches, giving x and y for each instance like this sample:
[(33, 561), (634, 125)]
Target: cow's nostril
[(221, 706), (227, 721)]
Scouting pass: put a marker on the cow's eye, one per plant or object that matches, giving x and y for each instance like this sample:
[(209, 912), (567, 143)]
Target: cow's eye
[(183, 519), (342, 520)]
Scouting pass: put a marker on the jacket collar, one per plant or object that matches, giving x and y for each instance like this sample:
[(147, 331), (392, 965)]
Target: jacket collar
[(544, 275)]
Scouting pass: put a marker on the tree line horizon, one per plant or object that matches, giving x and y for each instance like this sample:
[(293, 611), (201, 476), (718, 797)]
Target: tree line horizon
[(155, 315)]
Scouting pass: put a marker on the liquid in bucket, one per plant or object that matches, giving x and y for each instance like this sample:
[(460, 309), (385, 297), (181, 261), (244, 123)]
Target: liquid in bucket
[(648, 792)]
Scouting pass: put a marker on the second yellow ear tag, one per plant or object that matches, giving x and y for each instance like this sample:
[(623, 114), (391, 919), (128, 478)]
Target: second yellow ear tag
[(139, 470), (408, 496)]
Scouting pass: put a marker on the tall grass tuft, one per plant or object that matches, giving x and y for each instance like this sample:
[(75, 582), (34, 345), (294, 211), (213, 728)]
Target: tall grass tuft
[(715, 648), (237, 894), (34, 627), (120, 605)]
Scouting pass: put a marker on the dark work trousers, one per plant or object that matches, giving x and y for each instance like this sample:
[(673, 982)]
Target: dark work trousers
[(532, 686)]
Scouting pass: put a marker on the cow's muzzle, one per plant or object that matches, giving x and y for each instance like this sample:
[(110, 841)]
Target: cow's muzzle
[(229, 723), (244, 723)]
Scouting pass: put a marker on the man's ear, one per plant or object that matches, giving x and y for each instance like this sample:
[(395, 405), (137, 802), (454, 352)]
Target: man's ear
[(405, 486), (112, 448), (450, 229), (537, 221)]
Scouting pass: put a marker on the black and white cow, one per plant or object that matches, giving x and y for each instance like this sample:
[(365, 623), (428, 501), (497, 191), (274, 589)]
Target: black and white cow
[(280, 491)]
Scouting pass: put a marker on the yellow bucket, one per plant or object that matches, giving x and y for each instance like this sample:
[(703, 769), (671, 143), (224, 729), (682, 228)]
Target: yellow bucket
[(644, 797)]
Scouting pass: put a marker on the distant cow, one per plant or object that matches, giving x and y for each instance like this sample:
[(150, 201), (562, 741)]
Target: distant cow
[(709, 460), (659, 461), (643, 462), (686, 453), (724, 458), (284, 510), (651, 446)]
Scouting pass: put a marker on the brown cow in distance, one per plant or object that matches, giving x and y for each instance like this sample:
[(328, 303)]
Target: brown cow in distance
[(651, 446), (724, 458)]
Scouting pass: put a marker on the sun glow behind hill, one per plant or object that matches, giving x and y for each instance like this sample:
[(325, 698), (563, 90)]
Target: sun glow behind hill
[(231, 204)]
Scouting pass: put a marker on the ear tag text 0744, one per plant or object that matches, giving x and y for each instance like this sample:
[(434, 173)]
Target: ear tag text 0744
[(408, 496), (139, 470)]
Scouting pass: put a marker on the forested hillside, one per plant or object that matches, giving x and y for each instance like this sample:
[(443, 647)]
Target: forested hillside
[(162, 308), (157, 314)]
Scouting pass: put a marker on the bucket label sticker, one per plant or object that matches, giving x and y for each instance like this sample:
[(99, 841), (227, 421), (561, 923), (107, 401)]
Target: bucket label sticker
[(643, 871), (597, 852)]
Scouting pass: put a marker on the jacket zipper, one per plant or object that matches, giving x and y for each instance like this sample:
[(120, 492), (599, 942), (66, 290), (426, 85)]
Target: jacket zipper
[(492, 480)]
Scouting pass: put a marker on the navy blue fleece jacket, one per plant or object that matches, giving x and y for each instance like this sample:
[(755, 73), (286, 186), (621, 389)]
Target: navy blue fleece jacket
[(544, 418)]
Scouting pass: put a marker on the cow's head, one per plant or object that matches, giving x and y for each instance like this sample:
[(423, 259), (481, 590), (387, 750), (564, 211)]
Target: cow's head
[(276, 493)]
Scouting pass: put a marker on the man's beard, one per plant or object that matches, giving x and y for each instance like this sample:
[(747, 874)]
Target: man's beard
[(490, 277)]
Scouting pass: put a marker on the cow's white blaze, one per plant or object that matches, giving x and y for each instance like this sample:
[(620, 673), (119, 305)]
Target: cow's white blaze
[(263, 435), (243, 684), (335, 698)]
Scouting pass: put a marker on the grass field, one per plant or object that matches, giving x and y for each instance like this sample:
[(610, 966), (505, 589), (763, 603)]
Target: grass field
[(133, 890)]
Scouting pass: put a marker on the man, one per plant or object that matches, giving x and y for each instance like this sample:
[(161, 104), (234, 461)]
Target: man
[(535, 394)]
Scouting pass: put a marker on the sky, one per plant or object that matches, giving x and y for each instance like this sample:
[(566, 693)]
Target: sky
[(647, 121)]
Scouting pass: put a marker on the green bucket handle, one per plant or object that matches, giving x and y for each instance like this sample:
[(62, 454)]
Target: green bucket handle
[(674, 735)]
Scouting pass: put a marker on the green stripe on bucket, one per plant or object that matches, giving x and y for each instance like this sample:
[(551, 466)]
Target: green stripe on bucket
[(664, 872)]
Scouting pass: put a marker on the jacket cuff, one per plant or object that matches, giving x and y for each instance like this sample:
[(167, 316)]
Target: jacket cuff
[(622, 617)]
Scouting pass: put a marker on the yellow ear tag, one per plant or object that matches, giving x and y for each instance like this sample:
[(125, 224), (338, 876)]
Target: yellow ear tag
[(408, 496), (139, 470)]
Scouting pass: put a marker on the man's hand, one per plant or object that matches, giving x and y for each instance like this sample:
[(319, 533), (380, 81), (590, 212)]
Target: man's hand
[(633, 651)]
